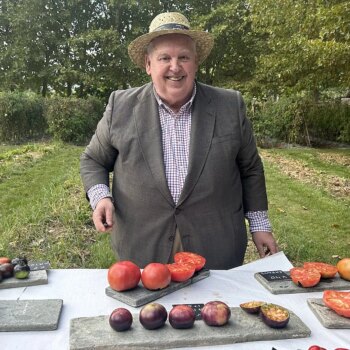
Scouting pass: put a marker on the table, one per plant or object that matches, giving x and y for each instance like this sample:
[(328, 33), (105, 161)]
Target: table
[(83, 294)]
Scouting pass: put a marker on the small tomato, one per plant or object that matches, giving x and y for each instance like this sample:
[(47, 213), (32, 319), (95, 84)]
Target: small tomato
[(155, 276), (343, 267)]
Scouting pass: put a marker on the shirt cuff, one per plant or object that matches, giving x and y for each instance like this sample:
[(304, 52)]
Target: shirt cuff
[(98, 192), (258, 221)]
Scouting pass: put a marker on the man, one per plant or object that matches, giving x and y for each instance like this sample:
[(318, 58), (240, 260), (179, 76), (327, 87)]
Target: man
[(186, 170)]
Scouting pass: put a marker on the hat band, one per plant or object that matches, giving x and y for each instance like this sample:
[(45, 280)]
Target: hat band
[(170, 26)]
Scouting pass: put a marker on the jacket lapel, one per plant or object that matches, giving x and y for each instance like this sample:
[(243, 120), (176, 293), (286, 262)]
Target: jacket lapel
[(202, 129), (148, 128)]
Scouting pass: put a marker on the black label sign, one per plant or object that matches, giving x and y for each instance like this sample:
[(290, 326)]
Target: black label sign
[(273, 276)]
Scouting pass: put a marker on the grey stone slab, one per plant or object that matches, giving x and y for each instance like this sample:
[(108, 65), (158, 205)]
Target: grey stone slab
[(289, 287), (30, 315), (95, 333), (35, 278), (327, 317), (141, 296)]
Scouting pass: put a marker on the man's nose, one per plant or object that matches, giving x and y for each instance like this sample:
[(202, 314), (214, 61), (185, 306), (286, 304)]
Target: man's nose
[(175, 65)]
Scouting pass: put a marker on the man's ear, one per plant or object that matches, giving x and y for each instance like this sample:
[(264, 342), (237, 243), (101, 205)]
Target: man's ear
[(147, 65)]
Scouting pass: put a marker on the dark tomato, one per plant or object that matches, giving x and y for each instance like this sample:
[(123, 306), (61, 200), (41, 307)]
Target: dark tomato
[(155, 276), (192, 258), (326, 270), (123, 275), (181, 272), (338, 301), (316, 347), (305, 277)]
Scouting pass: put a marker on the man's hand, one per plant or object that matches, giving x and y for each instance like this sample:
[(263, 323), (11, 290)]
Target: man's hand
[(103, 215), (265, 243)]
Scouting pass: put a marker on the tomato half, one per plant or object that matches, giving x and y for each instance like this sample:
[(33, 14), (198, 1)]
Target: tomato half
[(181, 272), (155, 276), (192, 258), (338, 301), (305, 277), (123, 275), (326, 270)]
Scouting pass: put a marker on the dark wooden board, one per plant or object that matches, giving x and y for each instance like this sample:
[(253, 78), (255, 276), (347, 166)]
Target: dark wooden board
[(95, 333), (30, 315), (286, 286), (35, 278), (327, 317), (141, 296)]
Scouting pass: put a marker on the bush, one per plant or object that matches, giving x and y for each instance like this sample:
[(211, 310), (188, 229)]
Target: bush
[(21, 117), (300, 120), (73, 120)]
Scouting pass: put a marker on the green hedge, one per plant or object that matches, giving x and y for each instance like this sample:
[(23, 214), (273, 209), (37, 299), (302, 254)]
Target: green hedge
[(301, 121), (27, 116), (21, 117), (71, 119)]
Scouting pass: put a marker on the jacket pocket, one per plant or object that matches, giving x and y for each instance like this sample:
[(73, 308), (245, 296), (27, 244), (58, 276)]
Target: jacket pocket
[(219, 139)]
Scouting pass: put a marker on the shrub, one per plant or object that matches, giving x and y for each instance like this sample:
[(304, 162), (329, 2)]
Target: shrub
[(21, 117), (73, 120)]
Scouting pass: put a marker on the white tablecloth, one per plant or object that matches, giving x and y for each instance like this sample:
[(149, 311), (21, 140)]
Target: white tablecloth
[(83, 294)]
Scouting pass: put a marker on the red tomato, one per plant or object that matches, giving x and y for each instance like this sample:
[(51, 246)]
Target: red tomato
[(305, 277), (181, 272), (341, 349), (316, 347), (155, 276), (343, 267), (187, 257), (123, 275), (338, 301), (4, 260), (326, 270)]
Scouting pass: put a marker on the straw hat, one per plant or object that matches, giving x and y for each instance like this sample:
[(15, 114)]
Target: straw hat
[(170, 23)]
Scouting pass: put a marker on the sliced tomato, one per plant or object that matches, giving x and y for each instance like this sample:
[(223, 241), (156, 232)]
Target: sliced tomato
[(338, 301), (326, 270), (181, 272), (305, 277), (192, 258)]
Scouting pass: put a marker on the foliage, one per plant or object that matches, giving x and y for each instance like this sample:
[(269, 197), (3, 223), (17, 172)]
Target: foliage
[(71, 119), (300, 120), (21, 117)]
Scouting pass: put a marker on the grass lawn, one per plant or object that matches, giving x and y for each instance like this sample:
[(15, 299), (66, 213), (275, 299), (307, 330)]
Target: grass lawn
[(44, 213)]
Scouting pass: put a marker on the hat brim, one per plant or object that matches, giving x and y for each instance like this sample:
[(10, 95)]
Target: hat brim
[(137, 48)]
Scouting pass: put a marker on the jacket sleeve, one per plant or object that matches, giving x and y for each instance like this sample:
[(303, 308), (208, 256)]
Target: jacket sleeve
[(98, 159), (250, 164)]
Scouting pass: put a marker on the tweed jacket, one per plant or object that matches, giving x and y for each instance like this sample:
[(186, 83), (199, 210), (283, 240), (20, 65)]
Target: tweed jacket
[(225, 177)]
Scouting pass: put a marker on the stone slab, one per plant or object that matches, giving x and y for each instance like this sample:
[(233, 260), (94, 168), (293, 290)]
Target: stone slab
[(141, 296), (96, 333), (30, 315), (327, 317), (289, 287), (35, 278)]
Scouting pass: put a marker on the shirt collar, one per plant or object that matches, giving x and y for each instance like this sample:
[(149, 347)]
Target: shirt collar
[(188, 104)]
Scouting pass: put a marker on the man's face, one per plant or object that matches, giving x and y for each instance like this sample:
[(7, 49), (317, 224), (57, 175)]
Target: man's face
[(172, 64)]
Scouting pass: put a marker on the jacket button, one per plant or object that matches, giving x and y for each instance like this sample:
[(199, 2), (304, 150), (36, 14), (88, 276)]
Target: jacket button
[(171, 238), (177, 211)]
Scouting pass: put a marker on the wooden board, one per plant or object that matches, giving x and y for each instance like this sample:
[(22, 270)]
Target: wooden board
[(96, 333), (327, 317), (141, 296), (286, 286), (30, 315), (35, 278)]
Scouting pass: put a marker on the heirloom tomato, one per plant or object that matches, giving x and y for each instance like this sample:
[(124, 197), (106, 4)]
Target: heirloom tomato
[(316, 347), (181, 272), (326, 270), (155, 276), (192, 258), (343, 267), (338, 301), (123, 275), (305, 277), (4, 260)]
